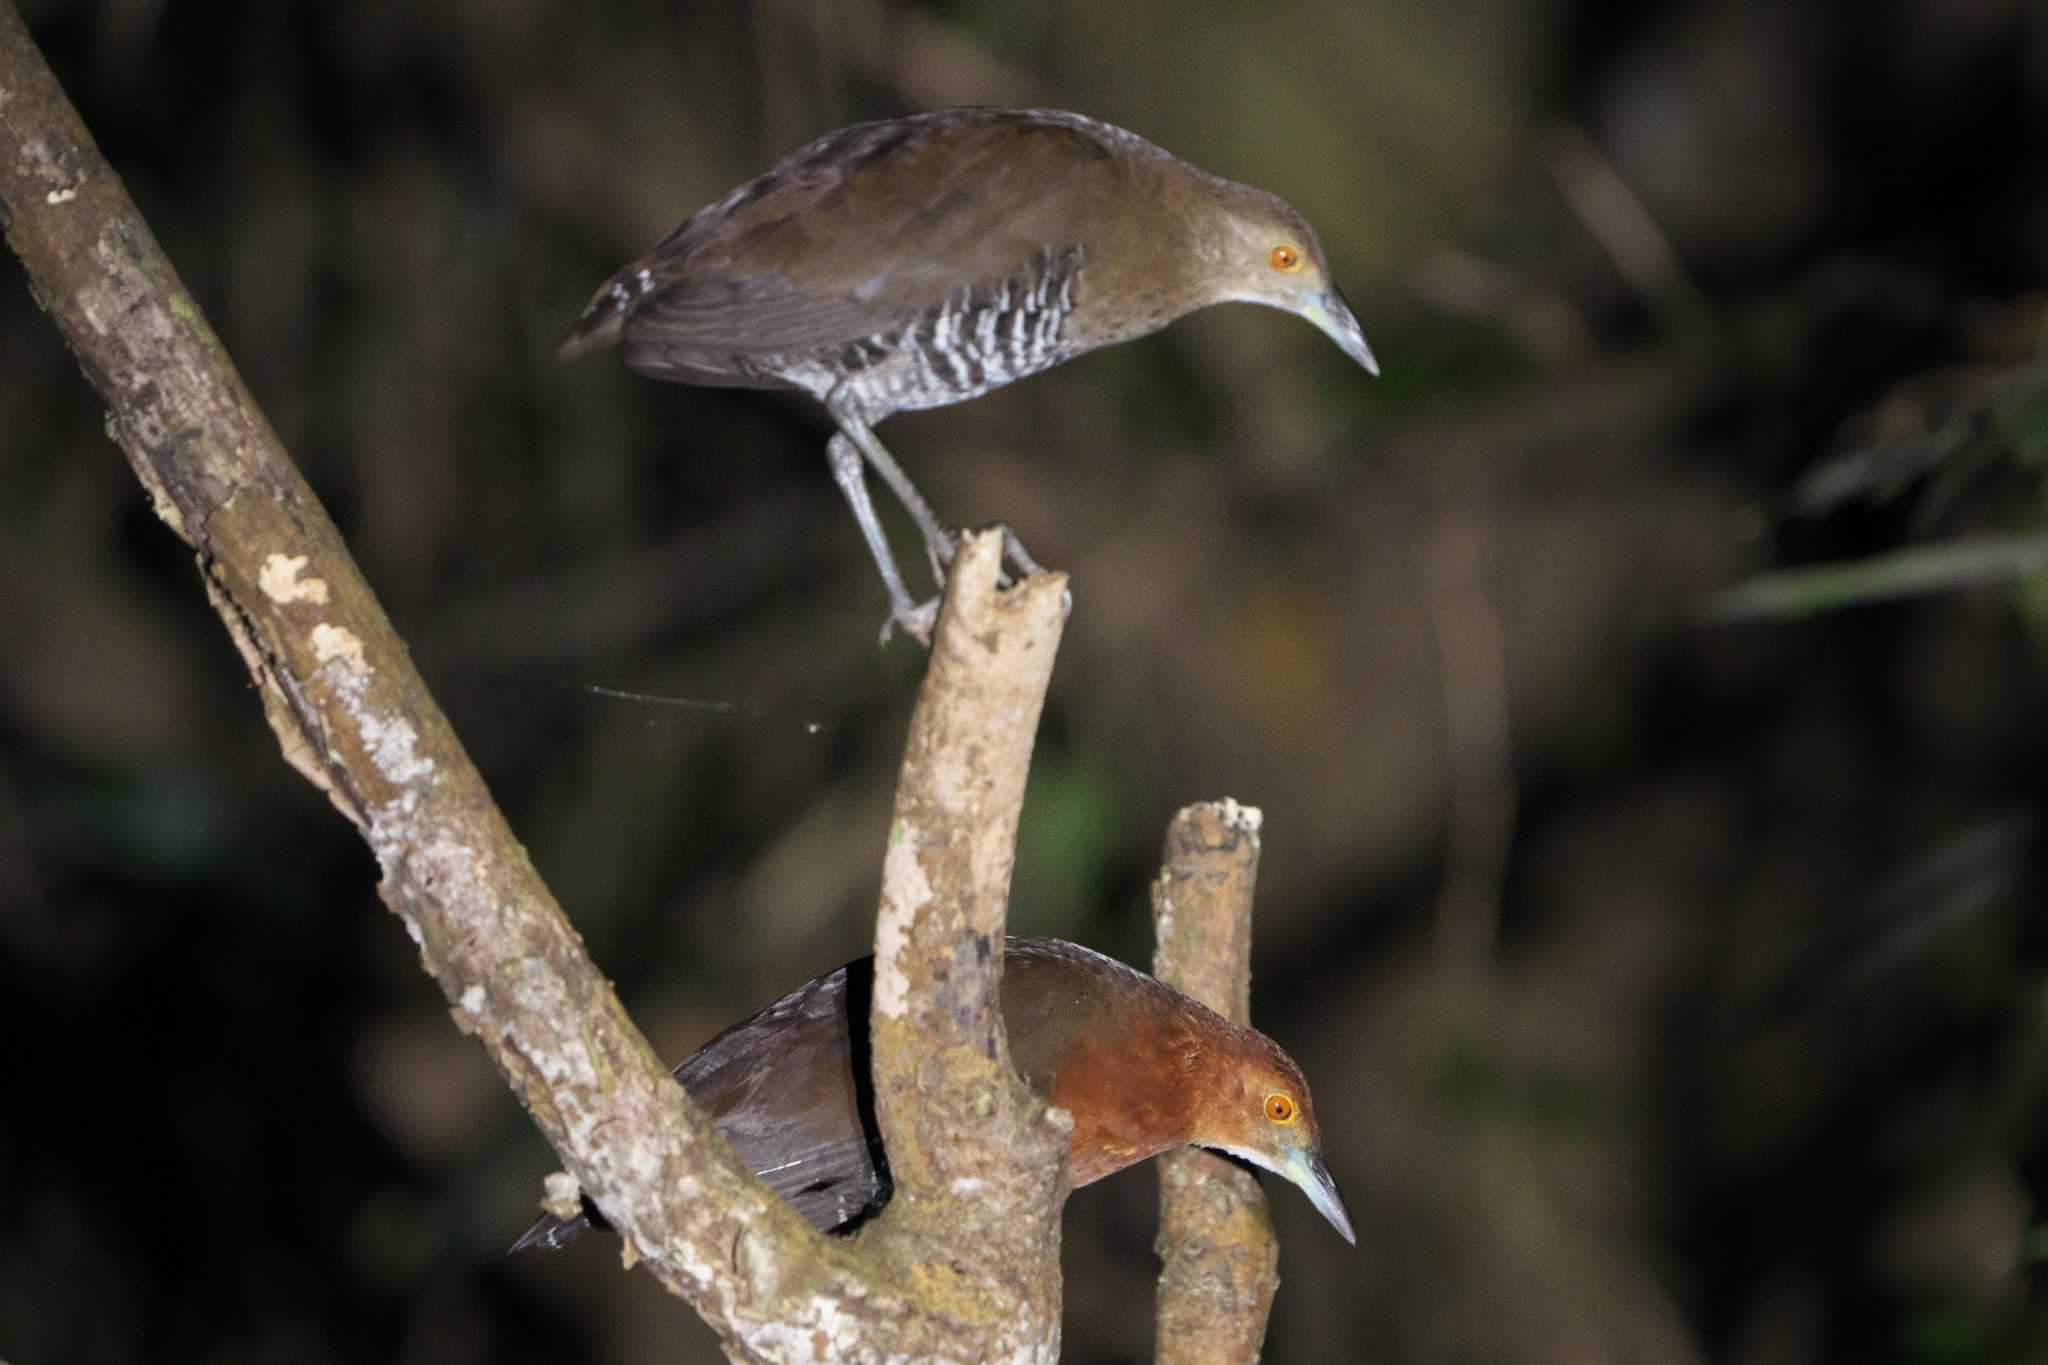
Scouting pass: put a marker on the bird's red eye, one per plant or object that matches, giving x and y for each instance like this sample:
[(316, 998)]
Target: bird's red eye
[(1285, 257), (1280, 1107)]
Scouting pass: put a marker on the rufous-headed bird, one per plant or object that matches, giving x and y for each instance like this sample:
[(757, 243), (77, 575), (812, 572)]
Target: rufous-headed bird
[(1142, 1068), (922, 261)]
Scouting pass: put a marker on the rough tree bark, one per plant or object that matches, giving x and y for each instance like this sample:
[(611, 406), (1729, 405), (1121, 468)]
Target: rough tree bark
[(976, 1157), (1215, 1237)]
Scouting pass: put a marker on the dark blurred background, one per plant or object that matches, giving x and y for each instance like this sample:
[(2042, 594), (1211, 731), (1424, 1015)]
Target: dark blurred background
[(1643, 682)]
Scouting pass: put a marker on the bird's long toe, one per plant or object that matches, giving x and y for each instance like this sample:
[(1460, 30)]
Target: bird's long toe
[(940, 549), (917, 622), (1015, 555)]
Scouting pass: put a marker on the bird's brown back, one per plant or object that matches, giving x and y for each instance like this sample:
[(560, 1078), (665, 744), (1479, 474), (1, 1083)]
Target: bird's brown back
[(789, 1087), (866, 228), (1113, 1046)]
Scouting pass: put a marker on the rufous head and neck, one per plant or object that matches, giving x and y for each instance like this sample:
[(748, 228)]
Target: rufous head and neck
[(1174, 1073)]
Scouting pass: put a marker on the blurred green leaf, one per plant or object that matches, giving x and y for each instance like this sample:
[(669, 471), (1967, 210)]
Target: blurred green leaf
[(1070, 828), (1926, 902), (1968, 562), (2021, 416), (1880, 472), (2037, 1243), (1471, 1080), (1945, 1335)]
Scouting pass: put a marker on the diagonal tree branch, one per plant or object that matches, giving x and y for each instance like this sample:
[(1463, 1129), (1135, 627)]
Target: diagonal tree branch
[(354, 717), (1221, 1266)]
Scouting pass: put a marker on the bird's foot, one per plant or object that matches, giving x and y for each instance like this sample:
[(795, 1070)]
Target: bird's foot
[(1023, 566), (942, 545), (1016, 556), (917, 621)]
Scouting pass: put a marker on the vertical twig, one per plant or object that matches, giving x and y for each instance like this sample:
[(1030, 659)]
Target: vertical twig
[(974, 1154), (1215, 1237)]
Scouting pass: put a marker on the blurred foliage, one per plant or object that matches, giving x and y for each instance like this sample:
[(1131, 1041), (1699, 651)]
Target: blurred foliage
[(1643, 682), (2001, 430)]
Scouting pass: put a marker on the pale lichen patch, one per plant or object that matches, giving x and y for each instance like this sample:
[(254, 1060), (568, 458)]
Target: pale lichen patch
[(815, 1333), (331, 642), (956, 780), (905, 891), (160, 500), (279, 579), (473, 998), (448, 865), (681, 1254), (642, 1165), (534, 987), (393, 746), (1246, 818), (561, 1195)]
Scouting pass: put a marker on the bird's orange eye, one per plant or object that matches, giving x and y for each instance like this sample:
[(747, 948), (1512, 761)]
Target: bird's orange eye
[(1285, 257), (1280, 1107)]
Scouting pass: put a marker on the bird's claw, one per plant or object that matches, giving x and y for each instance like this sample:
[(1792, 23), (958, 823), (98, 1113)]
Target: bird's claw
[(1018, 565), (941, 547), (917, 621), (1016, 555)]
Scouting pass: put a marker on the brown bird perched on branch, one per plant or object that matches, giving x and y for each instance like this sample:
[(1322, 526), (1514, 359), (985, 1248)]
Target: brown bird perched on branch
[(1142, 1068), (922, 261)]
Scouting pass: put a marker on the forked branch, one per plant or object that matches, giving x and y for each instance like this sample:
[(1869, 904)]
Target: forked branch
[(352, 715)]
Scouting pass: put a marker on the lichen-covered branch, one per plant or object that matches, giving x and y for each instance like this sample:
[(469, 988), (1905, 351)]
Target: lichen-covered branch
[(352, 715), (975, 1156), (1221, 1262)]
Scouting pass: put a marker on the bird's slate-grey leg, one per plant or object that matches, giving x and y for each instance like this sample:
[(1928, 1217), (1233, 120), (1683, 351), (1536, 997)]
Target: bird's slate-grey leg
[(938, 536), (939, 540), (849, 473)]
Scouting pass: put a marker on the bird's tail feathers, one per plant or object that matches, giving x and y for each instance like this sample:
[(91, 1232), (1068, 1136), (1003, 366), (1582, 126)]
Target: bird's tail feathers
[(552, 1232), (601, 325)]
